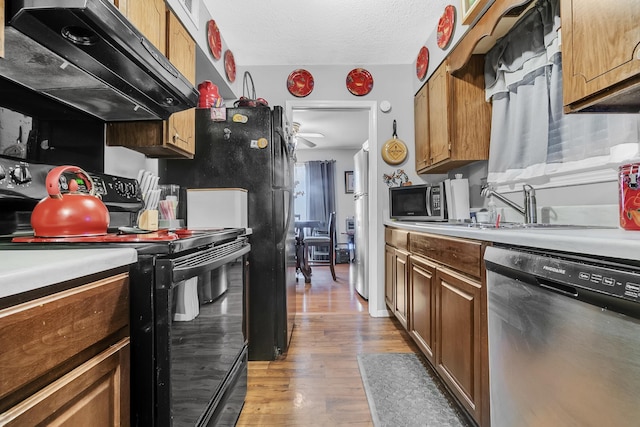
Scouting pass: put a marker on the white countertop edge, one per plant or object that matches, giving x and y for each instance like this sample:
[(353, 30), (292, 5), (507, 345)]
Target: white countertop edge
[(26, 270), (612, 243)]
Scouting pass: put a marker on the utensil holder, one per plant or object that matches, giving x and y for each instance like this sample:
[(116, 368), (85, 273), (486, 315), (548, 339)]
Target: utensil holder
[(148, 220)]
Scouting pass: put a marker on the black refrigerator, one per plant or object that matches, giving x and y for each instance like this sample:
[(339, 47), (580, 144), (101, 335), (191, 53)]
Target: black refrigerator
[(252, 149)]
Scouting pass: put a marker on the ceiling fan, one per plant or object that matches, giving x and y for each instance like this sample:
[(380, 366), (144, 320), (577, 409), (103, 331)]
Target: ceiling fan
[(302, 136)]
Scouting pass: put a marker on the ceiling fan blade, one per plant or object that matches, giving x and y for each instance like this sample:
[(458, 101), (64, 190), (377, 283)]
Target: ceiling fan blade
[(306, 142)]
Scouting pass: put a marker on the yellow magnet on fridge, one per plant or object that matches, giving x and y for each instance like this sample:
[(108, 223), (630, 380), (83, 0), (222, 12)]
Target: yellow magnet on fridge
[(263, 142), (240, 118)]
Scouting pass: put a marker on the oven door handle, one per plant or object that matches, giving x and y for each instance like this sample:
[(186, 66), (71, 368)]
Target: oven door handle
[(204, 265)]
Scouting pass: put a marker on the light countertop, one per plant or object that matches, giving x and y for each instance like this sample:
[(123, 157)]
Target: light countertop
[(25, 270), (604, 242)]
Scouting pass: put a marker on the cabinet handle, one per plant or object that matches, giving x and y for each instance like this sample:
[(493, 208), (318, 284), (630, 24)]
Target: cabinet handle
[(176, 138)]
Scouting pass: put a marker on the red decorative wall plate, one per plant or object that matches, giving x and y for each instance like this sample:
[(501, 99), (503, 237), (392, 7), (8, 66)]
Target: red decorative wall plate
[(445, 26), (422, 63), (230, 66), (215, 42), (359, 81), (300, 83)]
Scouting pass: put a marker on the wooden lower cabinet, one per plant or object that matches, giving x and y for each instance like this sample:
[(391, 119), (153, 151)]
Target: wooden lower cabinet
[(96, 394), (396, 282), (435, 287), (390, 276), (65, 357), (422, 297), (401, 302), (458, 337)]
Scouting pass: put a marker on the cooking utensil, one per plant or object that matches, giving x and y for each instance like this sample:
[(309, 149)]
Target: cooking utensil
[(394, 151), (72, 214)]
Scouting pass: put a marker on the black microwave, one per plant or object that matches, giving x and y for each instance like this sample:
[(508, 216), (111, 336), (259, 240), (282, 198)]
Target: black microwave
[(426, 202)]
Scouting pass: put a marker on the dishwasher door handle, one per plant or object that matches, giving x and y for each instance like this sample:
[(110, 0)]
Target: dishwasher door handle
[(569, 291)]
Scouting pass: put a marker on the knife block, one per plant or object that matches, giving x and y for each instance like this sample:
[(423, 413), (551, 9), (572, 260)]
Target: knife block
[(148, 220)]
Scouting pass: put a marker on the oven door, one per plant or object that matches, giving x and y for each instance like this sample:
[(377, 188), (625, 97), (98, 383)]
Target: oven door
[(200, 335)]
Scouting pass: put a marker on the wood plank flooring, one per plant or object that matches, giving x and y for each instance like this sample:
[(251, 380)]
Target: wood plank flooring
[(318, 383)]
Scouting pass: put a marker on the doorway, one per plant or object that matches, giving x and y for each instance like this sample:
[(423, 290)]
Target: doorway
[(376, 254)]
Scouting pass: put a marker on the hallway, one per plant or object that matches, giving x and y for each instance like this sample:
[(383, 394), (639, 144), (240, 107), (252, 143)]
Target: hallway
[(318, 383)]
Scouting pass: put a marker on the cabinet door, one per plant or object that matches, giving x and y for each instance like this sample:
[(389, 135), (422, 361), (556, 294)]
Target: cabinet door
[(600, 52), (51, 338), (439, 104), (422, 309), (389, 276), (458, 349), (421, 124), (402, 288), (94, 394), (149, 18), (181, 51)]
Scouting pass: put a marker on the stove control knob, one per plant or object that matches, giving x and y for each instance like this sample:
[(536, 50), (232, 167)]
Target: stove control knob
[(21, 174)]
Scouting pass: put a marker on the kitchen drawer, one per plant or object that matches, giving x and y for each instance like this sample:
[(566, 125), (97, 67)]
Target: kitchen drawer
[(47, 336), (396, 238), (462, 255), (95, 393)]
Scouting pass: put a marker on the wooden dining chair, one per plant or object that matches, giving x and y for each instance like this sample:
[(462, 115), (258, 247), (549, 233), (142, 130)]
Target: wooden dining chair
[(324, 240)]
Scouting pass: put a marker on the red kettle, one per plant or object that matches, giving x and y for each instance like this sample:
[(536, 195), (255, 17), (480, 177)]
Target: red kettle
[(74, 214)]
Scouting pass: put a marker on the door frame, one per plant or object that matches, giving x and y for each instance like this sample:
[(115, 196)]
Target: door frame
[(376, 287)]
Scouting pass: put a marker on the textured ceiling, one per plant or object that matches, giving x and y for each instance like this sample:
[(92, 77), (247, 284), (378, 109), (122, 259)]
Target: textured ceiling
[(326, 32)]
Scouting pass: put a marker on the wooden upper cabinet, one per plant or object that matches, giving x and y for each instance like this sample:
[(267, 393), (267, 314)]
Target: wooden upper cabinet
[(420, 112), (455, 127), (149, 18), (174, 137), (601, 55), (438, 110), (181, 51)]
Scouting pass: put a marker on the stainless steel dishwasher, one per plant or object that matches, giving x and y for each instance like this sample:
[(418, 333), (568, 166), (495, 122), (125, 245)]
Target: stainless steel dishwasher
[(564, 339)]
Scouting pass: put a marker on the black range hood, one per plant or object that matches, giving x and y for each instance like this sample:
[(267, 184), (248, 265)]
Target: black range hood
[(87, 55)]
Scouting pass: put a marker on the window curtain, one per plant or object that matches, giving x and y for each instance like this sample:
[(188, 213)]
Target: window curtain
[(531, 138), (320, 187)]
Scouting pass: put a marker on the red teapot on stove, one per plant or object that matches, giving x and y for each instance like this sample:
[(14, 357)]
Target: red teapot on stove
[(72, 214)]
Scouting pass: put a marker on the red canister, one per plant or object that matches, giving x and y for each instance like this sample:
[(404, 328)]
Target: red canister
[(209, 95), (629, 196)]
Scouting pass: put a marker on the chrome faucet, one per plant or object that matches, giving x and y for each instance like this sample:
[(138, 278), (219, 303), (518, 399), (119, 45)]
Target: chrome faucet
[(529, 212)]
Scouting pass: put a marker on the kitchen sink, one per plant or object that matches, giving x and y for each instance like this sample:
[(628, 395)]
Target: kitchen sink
[(520, 226)]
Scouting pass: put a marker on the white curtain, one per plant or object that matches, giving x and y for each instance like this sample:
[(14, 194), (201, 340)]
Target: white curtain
[(531, 138)]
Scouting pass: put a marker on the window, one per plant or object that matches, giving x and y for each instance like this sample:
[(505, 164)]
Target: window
[(532, 139)]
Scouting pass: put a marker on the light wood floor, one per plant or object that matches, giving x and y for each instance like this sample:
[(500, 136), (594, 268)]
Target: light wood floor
[(318, 383)]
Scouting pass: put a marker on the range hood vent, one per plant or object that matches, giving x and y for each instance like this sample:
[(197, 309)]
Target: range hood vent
[(86, 54)]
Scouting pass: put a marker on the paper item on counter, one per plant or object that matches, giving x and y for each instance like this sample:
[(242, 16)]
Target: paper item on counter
[(449, 198), (460, 191)]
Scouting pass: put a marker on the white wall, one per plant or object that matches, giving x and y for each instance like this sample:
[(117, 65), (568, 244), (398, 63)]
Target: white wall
[(393, 83), (345, 206)]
